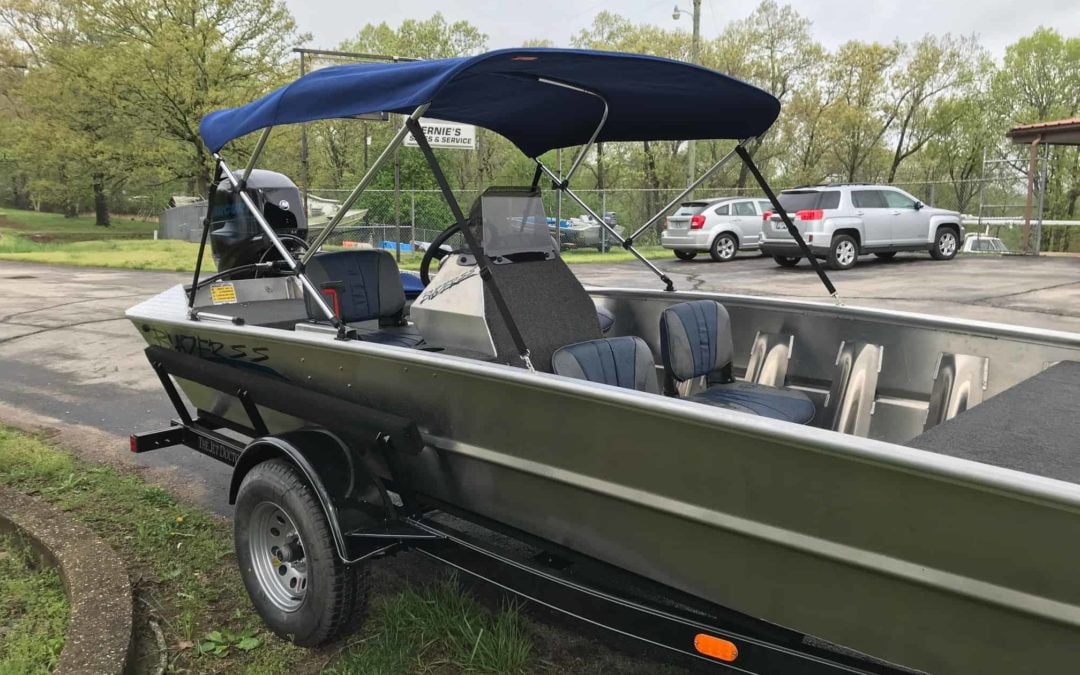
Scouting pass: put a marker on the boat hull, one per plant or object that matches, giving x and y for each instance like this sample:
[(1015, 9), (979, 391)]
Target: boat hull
[(918, 558)]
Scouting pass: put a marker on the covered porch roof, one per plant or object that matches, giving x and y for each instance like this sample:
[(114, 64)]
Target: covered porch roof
[(1058, 132)]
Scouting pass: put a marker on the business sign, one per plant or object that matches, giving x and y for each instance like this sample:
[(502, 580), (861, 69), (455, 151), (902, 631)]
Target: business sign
[(442, 134)]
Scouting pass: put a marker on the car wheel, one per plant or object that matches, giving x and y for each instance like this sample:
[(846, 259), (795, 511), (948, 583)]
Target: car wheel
[(886, 255), (786, 260), (945, 244), (298, 584), (724, 247), (843, 253), (685, 255)]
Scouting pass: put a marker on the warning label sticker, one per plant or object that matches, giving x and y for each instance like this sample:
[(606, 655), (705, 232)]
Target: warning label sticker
[(222, 294)]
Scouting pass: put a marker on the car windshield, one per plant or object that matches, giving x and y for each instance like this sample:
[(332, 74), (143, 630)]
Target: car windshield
[(801, 200)]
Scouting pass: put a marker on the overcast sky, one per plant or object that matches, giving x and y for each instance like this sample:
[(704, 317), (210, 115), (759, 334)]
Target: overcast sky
[(510, 22)]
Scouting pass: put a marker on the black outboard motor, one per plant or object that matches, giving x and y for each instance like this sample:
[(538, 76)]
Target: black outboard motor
[(236, 239)]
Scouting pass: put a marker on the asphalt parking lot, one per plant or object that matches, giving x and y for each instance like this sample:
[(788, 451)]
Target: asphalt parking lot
[(69, 359), (1038, 292)]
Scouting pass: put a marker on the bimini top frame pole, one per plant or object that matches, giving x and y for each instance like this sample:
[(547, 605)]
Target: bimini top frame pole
[(596, 132), (668, 283), (690, 188), (563, 183), (744, 155), (271, 235), (386, 154)]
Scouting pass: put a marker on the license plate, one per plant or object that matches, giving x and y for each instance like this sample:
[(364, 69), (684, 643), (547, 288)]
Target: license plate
[(779, 225)]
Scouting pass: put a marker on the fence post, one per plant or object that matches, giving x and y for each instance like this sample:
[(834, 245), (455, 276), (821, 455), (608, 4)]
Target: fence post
[(397, 204), (412, 215), (603, 230)]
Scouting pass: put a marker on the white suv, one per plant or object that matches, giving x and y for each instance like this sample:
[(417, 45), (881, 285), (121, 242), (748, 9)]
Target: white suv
[(840, 222), (721, 227)]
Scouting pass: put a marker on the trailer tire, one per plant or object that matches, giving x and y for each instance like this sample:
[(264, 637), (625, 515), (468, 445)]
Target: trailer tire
[(279, 524)]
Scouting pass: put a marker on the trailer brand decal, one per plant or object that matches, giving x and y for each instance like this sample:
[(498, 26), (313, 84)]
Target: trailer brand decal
[(215, 449), (208, 349), (223, 294)]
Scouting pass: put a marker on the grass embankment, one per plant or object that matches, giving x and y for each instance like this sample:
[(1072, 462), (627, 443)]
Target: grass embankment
[(51, 238), (31, 236), (33, 610), (186, 581)]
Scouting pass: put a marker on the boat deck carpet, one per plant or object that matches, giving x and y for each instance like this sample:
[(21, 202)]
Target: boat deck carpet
[(1033, 426)]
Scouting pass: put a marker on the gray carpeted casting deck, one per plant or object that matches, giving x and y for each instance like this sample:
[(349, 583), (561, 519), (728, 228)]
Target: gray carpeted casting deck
[(1033, 427)]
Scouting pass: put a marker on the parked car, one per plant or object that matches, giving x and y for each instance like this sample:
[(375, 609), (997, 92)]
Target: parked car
[(585, 231), (721, 227), (980, 243), (842, 221)]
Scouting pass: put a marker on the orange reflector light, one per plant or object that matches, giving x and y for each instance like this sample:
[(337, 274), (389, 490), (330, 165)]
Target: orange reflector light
[(715, 647)]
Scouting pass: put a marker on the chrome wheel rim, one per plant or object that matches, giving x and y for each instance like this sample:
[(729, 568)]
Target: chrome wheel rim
[(726, 248), (947, 243), (845, 253), (277, 556)]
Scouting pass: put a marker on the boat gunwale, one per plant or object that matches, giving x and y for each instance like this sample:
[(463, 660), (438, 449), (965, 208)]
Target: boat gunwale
[(955, 470)]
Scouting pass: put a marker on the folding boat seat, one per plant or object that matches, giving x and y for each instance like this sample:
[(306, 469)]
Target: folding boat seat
[(623, 361), (695, 341), (363, 287)]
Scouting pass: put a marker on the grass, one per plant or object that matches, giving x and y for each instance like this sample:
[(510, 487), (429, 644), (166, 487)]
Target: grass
[(137, 254), (419, 629), (188, 583), (49, 238), (33, 610), (50, 226), (615, 255)]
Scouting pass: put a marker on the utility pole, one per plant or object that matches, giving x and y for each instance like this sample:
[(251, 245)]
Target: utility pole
[(695, 47)]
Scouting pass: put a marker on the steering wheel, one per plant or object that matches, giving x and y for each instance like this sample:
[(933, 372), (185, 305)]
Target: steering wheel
[(286, 239), (435, 251)]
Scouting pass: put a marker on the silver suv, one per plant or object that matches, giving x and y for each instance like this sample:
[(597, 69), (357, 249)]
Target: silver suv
[(840, 222), (720, 226)]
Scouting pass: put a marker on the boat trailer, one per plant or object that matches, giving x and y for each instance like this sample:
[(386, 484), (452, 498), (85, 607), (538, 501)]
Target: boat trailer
[(372, 510)]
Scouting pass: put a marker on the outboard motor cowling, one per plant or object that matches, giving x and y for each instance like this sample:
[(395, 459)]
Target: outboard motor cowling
[(236, 238)]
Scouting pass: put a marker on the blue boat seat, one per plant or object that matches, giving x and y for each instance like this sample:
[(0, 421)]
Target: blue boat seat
[(363, 286), (695, 341), (606, 318), (623, 361)]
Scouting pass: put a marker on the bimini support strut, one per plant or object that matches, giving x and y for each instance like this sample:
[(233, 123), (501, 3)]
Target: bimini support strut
[(202, 242), (386, 154), (625, 243), (689, 188), (563, 183), (272, 236), (255, 154), (744, 155), (483, 262)]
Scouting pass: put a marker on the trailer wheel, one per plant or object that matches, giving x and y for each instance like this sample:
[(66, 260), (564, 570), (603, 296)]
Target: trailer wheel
[(298, 584)]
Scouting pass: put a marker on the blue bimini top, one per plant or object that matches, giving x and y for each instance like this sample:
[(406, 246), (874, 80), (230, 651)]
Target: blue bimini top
[(649, 98)]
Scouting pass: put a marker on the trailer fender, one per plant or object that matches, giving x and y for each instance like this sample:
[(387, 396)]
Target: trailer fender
[(352, 497)]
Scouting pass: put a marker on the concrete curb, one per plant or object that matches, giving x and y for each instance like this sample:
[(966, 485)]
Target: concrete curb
[(99, 630)]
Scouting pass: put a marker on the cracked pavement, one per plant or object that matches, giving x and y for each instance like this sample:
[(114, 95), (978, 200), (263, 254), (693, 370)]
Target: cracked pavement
[(69, 359)]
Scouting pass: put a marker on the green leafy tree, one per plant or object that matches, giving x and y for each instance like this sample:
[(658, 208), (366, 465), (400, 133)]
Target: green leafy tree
[(431, 38), (928, 69), (859, 115), (186, 58)]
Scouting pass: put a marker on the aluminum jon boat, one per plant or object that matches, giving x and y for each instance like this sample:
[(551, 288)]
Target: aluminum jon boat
[(764, 484)]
